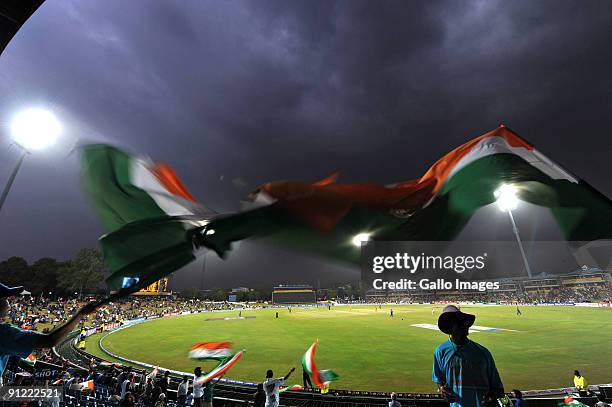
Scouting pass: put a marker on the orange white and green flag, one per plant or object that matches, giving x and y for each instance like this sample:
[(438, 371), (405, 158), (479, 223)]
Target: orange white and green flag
[(211, 351)]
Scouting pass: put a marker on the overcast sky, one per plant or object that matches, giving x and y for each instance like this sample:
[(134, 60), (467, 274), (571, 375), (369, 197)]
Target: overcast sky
[(236, 93)]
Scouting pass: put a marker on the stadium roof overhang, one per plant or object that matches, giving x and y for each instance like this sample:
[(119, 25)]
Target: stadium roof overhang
[(13, 15)]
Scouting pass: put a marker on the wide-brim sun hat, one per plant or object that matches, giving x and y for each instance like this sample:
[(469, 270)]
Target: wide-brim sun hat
[(452, 313)]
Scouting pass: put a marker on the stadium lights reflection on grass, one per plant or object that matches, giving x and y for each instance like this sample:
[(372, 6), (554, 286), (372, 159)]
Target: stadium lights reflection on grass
[(359, 238)]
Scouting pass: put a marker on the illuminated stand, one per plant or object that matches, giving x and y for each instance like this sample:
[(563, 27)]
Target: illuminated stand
[(160, 287)]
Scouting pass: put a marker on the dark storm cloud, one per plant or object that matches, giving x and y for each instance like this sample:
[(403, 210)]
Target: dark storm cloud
[(287, 89)]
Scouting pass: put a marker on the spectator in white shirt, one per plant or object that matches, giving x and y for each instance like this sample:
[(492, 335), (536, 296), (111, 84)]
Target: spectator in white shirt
[(198, 389), (272, 387), (183, 389), (126, 385), (394, 402)]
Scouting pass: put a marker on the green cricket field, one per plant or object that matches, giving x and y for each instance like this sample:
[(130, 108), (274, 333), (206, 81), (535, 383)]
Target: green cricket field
[(370, 350)]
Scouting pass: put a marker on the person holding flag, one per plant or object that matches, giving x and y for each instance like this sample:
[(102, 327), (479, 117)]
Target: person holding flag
[(320, 378), (306, 379), (203, 383), (198, 387), (15, 341), (272, 387), (207, 398)]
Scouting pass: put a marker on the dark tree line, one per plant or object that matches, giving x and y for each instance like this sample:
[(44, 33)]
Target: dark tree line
[(82, 274)]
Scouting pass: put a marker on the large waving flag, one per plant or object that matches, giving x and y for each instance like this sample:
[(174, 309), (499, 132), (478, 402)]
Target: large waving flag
[(324, 216), (211, 351), (147, 213), (154, 226), (320, 378), (220, 370)]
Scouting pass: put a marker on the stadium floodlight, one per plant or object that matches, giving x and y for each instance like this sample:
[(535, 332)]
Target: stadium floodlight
[(35, 129), (31, 129), (507, 200), (506, 196), (359, 238)]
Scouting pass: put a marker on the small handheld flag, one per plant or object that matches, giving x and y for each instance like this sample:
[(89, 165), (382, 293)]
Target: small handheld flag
[(88, 385), (153, 373), (293, 387), (220, 370)]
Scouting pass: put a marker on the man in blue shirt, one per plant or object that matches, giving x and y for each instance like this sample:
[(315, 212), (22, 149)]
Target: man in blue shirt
[(15, 341), (463, 370)]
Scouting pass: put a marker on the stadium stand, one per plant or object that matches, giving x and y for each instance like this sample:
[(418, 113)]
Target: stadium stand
[(580, 286), (293, 294)]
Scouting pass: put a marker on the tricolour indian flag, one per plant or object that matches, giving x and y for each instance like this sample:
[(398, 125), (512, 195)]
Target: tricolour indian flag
[(211, 351), (153, 373), (293, 387), (220, 370), (154, 225), (323, 216), (320, 378), (147, 213), (30, 360), (86, 386)]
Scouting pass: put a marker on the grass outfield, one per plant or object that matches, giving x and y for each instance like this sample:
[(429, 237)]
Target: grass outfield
[(371, 351)]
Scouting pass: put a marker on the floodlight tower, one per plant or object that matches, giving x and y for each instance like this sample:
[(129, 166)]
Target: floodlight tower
[(507, 201), (31, 129)]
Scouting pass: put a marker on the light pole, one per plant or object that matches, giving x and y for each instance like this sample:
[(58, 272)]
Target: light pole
[(11, 179), (507, 201), (31, 129), (202, 274)]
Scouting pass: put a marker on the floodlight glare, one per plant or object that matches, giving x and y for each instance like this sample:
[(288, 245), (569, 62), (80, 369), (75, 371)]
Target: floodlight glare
[(360, 238), (506, 197), (35, 129)]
